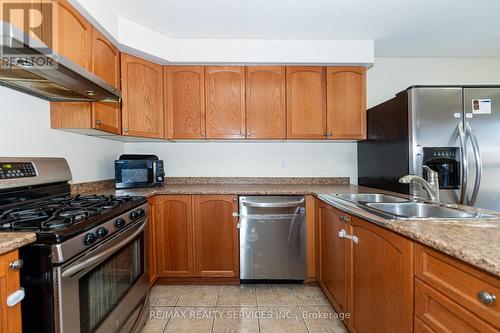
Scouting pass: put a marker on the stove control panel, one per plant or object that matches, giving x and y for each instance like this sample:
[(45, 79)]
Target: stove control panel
[(17, 170)]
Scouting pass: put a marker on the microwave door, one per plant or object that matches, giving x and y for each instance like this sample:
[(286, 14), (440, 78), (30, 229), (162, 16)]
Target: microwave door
[(132, 173)]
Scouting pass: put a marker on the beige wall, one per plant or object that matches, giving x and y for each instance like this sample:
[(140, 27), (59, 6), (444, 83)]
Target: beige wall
[(391, 75), (25, 131)]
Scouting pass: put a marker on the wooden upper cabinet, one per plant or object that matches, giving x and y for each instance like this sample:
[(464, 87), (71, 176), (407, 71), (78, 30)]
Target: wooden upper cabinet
[(346, 101), (106, 116), (382, 280), (306, 102), (142, 97), (174, 235), (225, 102), (72, 35), (216, 236), (333, 255), (265, 103), (185, 102), (105, 59)]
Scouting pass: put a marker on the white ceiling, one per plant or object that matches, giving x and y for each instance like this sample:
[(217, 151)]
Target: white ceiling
[(399, 27)]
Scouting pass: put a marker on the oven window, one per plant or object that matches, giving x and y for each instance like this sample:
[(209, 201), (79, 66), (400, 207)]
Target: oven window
[(102, 288), (134, 175)]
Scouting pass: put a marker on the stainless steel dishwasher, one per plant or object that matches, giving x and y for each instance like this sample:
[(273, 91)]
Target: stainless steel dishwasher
[(272, 237)]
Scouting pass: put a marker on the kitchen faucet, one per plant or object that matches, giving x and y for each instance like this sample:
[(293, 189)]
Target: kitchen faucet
[(431, 186)]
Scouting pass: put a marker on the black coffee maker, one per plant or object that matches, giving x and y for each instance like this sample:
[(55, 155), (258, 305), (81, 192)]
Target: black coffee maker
[(446, 162)]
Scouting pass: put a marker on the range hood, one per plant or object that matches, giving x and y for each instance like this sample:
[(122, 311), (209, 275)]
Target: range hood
[(61, 80)]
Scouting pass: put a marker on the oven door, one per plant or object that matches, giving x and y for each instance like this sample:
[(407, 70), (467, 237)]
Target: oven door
[(135, 173), (102, 289)]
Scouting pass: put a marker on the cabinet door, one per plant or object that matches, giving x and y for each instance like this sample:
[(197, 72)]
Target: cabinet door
[(142, 97), (216, 236), (174, 235), (333, 255), (225, 101), (106, 116), (306, 102), (72, 39), (382, 280), (346, 103), (265, 99), (10, 317), (185, 102), (73, 35)]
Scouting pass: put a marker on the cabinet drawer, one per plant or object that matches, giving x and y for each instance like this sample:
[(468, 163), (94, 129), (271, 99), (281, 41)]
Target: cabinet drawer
[(443, 315), (420, 326), (460, 282)]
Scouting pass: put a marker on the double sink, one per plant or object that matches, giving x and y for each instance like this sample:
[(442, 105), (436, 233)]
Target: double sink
[(389, 206)]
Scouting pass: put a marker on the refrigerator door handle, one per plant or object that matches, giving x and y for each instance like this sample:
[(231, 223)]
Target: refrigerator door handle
[(478, 161), (465, 169)]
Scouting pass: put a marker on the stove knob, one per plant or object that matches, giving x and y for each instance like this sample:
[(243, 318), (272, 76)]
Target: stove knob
[(137, 213), (89, 238), (101, 232), (119, 223)]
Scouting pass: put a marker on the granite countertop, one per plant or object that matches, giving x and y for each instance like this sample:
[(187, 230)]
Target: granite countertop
[(10, 241), (475, 241), (244, 189)]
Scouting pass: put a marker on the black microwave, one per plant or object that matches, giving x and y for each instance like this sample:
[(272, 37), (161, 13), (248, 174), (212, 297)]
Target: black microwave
[(139, 171)]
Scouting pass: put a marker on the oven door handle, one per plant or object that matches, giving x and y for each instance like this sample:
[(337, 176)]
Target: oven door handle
[(102, 255)]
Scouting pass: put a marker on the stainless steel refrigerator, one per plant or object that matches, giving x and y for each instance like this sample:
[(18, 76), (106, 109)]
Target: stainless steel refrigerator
[(453, 129)]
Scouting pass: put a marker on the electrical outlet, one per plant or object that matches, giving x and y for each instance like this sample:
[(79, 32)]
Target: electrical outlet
[(283, 164)]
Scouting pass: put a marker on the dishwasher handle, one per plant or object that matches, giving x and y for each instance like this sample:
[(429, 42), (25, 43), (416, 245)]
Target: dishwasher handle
[(273, 204)]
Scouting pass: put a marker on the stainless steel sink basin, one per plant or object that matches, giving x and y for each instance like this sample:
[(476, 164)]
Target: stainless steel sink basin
[(409, 210), (370, 197)]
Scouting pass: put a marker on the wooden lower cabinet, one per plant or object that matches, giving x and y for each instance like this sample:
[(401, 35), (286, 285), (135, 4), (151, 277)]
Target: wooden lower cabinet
[(216, 236), (333, 275), (441, 315), (447, 294), (196, 236), (381, 297), (370, 277), (10, 317), (174, 235)]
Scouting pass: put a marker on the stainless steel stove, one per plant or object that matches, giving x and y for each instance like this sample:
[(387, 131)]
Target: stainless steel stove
[(87, 271)]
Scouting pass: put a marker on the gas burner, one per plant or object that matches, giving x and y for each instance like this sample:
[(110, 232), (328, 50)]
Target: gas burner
[(55, 224), (59, 212)]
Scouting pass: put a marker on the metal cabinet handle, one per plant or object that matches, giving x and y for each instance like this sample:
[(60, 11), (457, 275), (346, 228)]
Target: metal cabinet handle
[(344, 234), (16, 264), (125, 129), (330, 134), (325, 134), (98, 122), (486, 298), (16, 297), (345, 218)]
